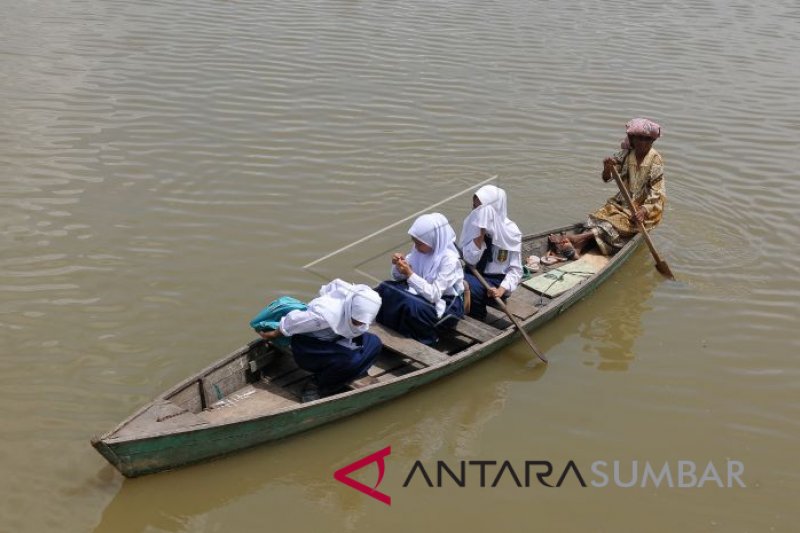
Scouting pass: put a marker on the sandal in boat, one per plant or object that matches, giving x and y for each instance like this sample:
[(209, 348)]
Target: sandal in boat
[(551, 259)]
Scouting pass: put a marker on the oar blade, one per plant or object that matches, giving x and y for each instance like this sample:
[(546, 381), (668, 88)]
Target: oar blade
[(662, 267), (536, 350), (522, 332)]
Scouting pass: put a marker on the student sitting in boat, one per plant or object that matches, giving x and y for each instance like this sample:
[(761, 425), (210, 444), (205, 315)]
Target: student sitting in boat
[(642, 170), (425, 296), (330, 338), (492, 243)]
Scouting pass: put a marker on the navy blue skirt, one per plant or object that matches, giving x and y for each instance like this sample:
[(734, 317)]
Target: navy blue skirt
[(413, 316), (332, 364), (479, 299)]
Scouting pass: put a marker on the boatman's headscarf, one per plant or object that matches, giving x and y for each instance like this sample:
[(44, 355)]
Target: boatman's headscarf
[(640, 126)]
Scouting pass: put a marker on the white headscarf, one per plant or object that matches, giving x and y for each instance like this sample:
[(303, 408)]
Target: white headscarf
[(434, 230), (340, 302), (492, 214)]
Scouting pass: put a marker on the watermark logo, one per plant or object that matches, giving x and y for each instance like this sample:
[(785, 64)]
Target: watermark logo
[(343, 475), (599, 474)]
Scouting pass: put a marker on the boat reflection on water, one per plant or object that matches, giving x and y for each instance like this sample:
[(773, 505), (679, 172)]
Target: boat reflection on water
[(612, 331)]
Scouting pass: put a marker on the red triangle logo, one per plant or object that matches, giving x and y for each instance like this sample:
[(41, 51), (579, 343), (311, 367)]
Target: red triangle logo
[(343, 475)]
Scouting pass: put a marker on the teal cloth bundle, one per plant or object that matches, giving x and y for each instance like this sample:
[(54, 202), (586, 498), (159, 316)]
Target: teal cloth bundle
[(269, 318)]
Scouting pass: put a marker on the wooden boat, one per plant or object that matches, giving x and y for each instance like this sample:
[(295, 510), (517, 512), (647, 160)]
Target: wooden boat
[(252, 395)]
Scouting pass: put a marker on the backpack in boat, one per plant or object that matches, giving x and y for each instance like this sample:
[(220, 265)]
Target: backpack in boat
[(269, 317)]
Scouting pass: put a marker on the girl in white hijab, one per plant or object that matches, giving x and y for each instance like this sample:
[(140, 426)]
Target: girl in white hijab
[(330, 338), (492, 243), (425, 296)]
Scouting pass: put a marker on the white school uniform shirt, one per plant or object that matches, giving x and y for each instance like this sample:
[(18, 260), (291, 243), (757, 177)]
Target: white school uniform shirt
[(438, 273), (492, 215), (311, 324), (449, 276), (328, 317), (511, 267)]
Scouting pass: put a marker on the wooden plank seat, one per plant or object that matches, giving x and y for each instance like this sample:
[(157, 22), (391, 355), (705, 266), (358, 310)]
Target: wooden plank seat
[(364, 381), (497, 318), (406, 347), (520, 309), (476, 330), (387, 363)]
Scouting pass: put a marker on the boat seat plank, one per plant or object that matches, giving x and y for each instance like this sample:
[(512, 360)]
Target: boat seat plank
[(476, 330), (387, 364), (406, 347), (362, 382), (497, 318), (519, 308), (451, 342)]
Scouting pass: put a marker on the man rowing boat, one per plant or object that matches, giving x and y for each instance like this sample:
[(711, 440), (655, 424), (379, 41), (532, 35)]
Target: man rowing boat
[(642, 170)]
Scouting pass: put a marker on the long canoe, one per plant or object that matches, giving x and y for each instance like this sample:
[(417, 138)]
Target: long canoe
[(252, 395)]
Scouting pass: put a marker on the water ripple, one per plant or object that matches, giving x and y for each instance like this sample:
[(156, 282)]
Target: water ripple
[(169, 166)]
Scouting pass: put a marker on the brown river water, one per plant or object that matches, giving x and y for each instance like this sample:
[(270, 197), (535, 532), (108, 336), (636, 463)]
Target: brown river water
[(168, 167)]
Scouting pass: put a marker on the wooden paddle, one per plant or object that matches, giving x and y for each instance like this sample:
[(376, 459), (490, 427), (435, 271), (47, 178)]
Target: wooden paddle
[(513, 319), (661, 265)]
